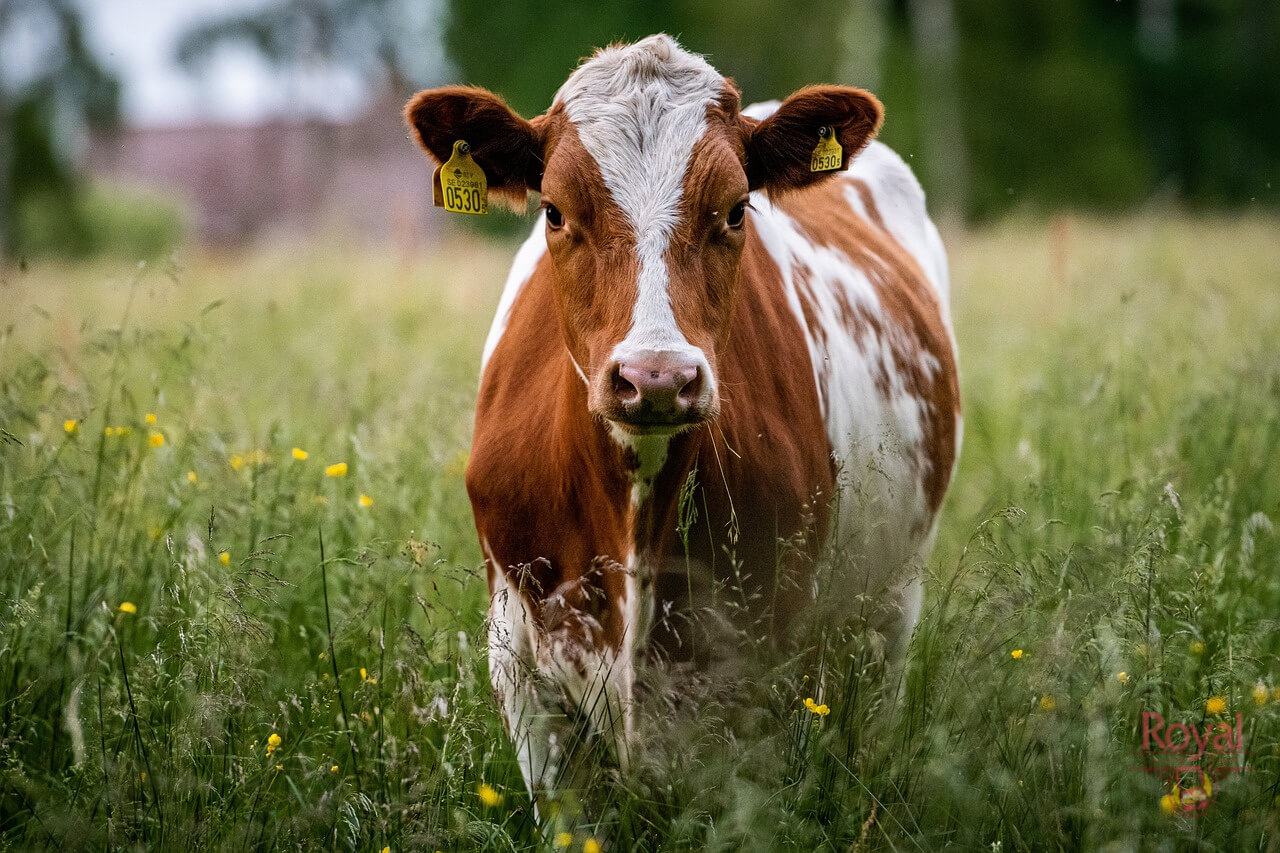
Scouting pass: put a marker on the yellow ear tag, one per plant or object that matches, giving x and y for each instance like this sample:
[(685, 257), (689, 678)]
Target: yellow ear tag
[(828, 155), (460, 185)]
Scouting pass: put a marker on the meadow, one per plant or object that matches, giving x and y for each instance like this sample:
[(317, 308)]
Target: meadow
[(241, 603)]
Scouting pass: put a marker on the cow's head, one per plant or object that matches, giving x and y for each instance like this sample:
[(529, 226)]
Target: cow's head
[(645, 165)]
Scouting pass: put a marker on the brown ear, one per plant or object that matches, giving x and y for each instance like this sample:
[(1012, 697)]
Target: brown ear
[(505, 146), (779, 147)]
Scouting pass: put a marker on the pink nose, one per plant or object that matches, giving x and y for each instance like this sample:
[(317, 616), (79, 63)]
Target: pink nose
[(656, 388)]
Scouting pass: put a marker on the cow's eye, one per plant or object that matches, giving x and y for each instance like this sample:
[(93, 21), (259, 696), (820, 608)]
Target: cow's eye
[(737, 215), (555, 218)]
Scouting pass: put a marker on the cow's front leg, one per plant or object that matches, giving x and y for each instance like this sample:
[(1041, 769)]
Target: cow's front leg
[(566, 677), (593, 626), (534, 722)]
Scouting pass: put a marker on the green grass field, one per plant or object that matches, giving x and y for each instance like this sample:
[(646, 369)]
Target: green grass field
[(179, 668)]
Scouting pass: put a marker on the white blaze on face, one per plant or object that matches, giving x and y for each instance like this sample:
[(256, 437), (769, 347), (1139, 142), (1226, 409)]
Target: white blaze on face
[(638, 110)]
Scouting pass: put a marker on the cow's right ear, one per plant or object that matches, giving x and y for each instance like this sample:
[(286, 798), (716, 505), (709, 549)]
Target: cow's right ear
[(507, 147)]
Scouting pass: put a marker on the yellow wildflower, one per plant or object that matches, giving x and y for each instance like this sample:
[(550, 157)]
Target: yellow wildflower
[(236, 461), (1016, 654), (300, 454), (815, 708), (224, 557), (1047, 702), (488, 796), (272, 742), (365, 677), (337, 469), (128, 607), (365, 501), (192, 477), (279, 767), (386, 849), (1196, 647), (70, 426), (156, 439), (1169, 804), (1260, 693), (333, 769), (1122, 677), (1215, 705), (563, 840), (150, 418), (591, 846)]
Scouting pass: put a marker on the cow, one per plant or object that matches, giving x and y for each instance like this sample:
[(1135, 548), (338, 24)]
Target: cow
[(699, 318)]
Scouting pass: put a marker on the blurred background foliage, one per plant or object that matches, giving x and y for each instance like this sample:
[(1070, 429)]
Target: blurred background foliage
[(58, 87), (1034, 105)]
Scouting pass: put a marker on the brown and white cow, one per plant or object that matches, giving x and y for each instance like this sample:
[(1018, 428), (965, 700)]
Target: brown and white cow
[(693, 298)]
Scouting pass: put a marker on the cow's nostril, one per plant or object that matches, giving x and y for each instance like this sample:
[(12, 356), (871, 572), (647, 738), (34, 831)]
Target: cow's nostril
[(625, 392), (690, 389)]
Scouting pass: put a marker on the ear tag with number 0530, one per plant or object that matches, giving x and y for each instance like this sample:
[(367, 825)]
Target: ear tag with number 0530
[(828, 155), (460, 185)]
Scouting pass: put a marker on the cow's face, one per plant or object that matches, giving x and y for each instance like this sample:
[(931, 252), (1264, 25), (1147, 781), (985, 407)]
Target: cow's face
[(645, 166)]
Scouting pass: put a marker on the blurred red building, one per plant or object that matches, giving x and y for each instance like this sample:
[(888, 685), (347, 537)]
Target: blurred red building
[(243, 182)]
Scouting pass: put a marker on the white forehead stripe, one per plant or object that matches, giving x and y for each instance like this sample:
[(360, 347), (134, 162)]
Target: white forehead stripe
[(639, 109)]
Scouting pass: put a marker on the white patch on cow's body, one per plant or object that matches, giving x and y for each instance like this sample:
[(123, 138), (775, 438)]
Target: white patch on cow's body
[(761, 110), (885, 522), (638, 110), (526, 261), (900, 200)]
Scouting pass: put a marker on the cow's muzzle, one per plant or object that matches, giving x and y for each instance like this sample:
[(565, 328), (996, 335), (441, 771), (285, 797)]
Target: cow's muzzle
[(656, 391)]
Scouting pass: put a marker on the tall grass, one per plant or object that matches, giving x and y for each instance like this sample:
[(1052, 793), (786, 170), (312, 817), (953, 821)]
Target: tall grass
[(324, 683)]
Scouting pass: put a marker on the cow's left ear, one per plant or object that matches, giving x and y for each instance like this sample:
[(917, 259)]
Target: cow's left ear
[(507, 147), (780, 147)]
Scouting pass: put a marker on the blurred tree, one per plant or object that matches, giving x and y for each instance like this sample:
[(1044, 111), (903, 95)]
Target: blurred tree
[(1049, 106), (1093, 104), (526, 50), (935, 42), (385, 42), (1208, 86), (51, 86)]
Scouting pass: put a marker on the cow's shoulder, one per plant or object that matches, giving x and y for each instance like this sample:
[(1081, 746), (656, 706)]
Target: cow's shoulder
[(887, 193)]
